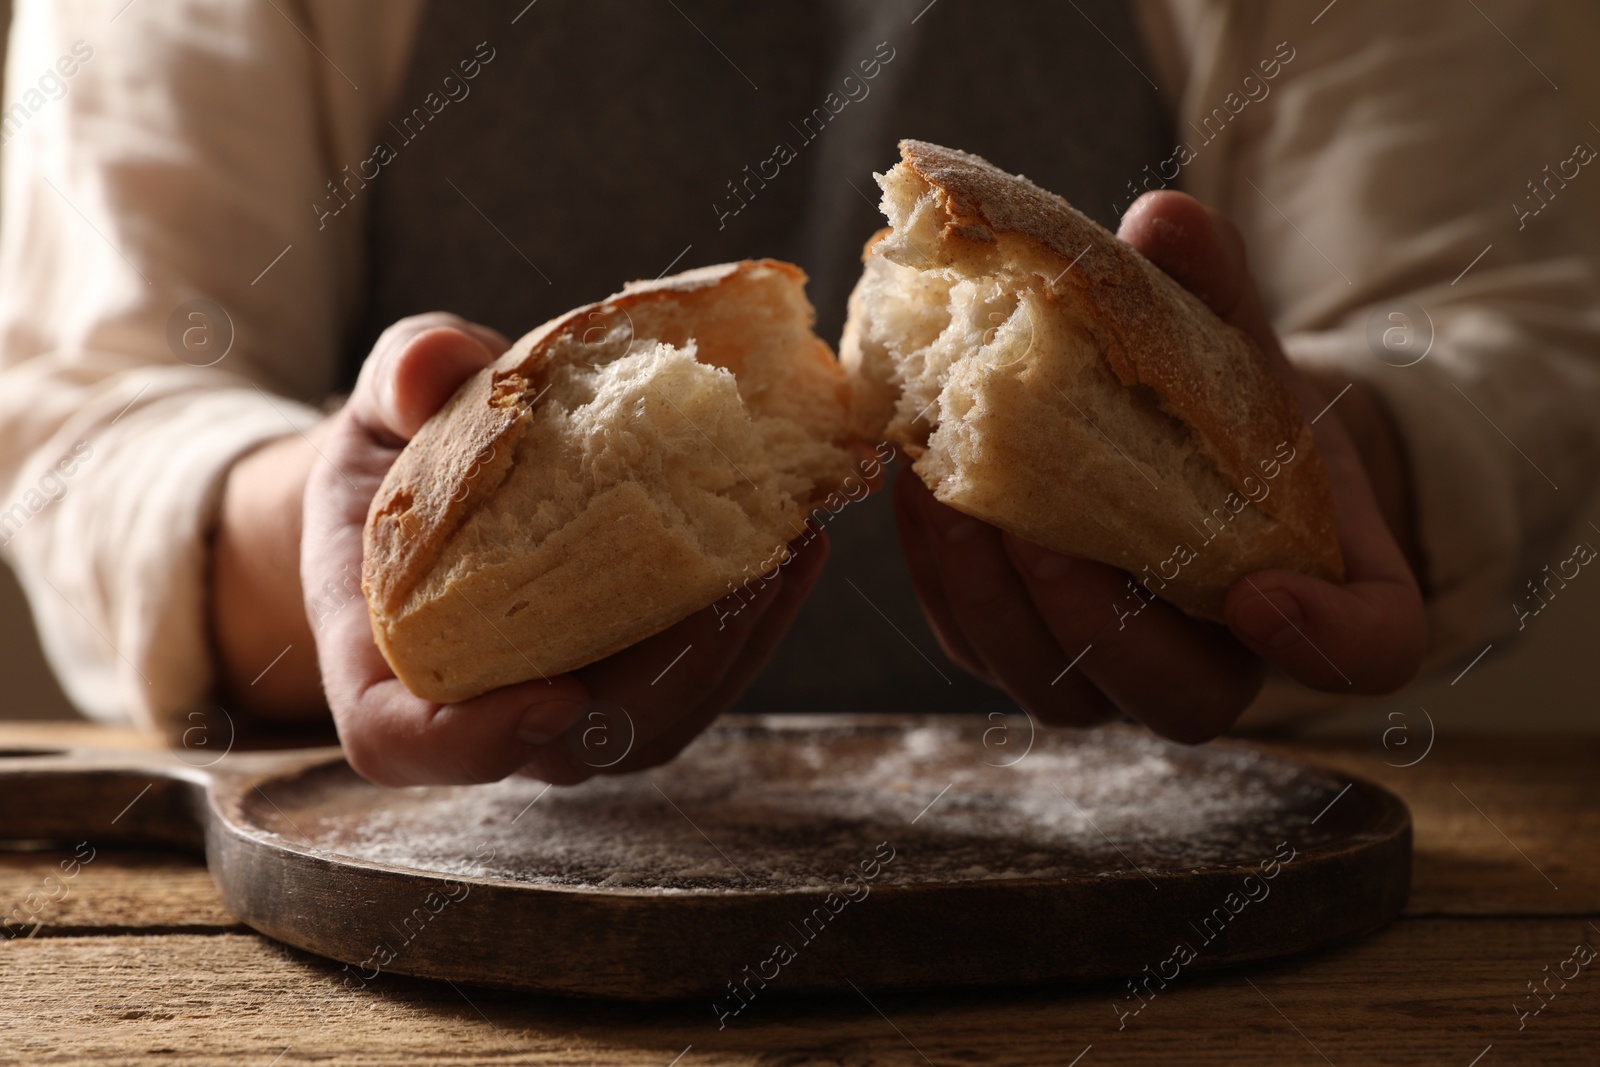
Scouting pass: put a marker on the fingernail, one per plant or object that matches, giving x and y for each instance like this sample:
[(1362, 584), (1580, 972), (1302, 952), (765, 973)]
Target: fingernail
[(1041, 564), (386, 388), (1271, 619), (548, 720)]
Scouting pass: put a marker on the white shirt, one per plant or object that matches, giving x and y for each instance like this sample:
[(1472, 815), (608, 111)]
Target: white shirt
[(1384, 166)]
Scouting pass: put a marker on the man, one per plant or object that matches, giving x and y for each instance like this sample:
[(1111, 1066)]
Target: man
[(321, 175)]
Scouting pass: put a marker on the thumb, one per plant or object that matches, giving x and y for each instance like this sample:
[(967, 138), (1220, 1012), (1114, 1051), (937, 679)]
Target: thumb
[(1199, 248), (1202, 250), (414, 369)]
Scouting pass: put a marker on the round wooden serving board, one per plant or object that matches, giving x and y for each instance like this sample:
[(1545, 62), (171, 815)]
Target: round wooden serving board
[(783, 854)]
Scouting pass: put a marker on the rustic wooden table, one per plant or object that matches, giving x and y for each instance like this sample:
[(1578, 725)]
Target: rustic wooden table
[(134, 960)]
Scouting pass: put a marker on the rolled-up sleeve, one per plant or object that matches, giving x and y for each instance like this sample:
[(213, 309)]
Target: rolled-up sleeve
[(165, 156)]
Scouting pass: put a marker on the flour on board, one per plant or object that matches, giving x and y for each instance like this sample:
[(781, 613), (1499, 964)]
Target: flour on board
[(795, 802)]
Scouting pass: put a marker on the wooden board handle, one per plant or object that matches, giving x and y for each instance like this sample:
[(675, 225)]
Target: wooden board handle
[(101, 796)]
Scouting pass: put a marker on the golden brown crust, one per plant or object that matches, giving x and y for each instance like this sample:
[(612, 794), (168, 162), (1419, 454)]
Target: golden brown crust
[(461, 457), (603, 554), (1151, 331)]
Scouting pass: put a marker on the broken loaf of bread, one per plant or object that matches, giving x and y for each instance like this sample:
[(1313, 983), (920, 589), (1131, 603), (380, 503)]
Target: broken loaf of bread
[(619, 468), (1053, 382)]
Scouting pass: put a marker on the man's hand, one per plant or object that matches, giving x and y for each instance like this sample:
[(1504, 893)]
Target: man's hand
[(544, 726), (1017, 614)]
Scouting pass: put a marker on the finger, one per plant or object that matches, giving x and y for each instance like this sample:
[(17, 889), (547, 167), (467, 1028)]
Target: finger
[(1368, 635), (394, 738), (993, 609), (800, 576), (401, 331), (650, 686), (1200, 248), (920, 561), (496, 342), (1186, 680), (390, 735), (427, 372), (1203, 251), (415, 367), (1362, 637), (1365, 636)]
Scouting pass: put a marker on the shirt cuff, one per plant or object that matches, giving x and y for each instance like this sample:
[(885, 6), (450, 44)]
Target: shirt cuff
[(117, 566)]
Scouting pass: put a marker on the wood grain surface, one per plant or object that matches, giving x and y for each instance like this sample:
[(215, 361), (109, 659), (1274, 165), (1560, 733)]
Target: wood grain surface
[(1503, 825), (1053, 855), (139, 964)]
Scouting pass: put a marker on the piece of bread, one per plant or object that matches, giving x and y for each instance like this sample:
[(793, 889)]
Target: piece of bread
[(1053, 382), (619, 468)]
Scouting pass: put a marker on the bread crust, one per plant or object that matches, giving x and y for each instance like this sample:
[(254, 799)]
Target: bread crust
[(1150, 332), (462, 456)]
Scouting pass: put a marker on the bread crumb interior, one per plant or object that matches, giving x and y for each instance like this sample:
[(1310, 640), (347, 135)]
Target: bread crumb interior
[(733, 463)]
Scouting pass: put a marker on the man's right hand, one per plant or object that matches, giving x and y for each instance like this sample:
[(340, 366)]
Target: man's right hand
[(562, 729)]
